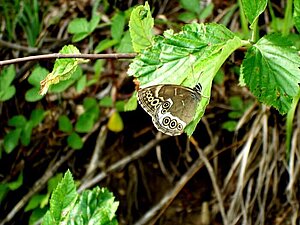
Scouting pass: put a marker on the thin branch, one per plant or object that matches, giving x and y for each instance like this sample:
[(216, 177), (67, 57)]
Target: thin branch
[(58, 55)]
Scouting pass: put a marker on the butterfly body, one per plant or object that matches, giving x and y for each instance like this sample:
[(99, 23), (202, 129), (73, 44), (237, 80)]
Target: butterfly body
[(172, 107)]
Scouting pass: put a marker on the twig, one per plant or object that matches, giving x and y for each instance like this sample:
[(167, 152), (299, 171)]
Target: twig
[(119, 164), (58, 55), (156, 211)]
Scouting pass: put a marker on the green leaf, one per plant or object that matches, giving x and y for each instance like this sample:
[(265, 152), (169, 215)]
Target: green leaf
[(94, 22), (191, 56), (3, 191), (7, 91), (132, 103), (75, 141), (96, 205), (11, 140), (140, 27), (63, 68), (115, 122), (253, 9), (236, 103), (91, 207), (125, 44), (53, 182), (36, 215), (207, 11), (89, 103), (120, 106), (78, 25), (271, 71), (37, 116), (26, 133), (187, 16), (34, 202), (14, 185), (117, 25), (191, 5), (62, 201), (297, 14), (64, 124), (106, 102), (17, 121), (38, 74), (65, 84), (81, 84), (105, 44), (32, 95), (85, 123), (229, 125)]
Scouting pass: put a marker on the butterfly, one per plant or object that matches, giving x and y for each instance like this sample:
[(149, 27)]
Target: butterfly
[(172, 107)]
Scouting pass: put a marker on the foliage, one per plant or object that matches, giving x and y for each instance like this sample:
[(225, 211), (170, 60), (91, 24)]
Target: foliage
[(23, 129), (7, 90), (91, 207)]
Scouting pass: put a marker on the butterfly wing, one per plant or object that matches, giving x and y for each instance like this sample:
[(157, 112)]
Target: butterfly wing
[(171, 107)]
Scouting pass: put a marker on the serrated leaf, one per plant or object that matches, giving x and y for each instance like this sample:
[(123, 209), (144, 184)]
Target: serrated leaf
[(3, 191), (37, 116), (11, 140), (140, 27), (253, 9), (63, 69), (17, 121), (75, 141), (271, 71), (64, 124), (191, 56), (115, 122), (62, 201), (96, 205), (117, 25), (120, 105)]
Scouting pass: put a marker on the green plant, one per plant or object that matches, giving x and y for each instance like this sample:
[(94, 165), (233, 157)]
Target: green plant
[(195, 10), (91, 207), (238, 107), (23, 129), (28, 18), (7, 90)]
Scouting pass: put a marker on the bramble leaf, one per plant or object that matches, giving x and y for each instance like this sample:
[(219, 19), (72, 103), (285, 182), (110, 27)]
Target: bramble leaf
[(271, 71), (191, 56), (140, 27)]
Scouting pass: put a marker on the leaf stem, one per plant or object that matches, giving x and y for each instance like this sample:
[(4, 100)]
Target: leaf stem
[(287, 18)]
